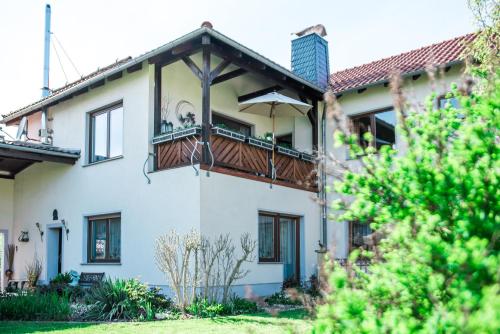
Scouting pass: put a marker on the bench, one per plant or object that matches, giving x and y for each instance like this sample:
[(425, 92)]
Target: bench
[(89, 279)]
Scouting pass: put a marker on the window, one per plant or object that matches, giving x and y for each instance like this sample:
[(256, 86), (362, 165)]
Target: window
[(278, 237), (443, 102), (285, 140), (106, 133), (231, 124), (357, 233), (104, 238), (381, 124)]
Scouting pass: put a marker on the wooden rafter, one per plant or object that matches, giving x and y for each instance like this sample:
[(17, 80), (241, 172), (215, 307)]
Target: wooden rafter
[(260, 92), (228, 76)]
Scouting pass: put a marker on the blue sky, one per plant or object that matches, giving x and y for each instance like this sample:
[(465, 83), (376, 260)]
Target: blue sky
[(96, 33)]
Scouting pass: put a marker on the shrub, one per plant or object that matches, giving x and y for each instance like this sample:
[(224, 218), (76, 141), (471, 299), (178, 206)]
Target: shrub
[(205, 309), (436, 269), (74, 293), (34, 306), (125, 299), (239, 305), (281, 298), (109, 301), (62, 278)]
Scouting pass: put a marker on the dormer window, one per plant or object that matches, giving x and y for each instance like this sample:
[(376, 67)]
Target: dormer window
[(106, 133)]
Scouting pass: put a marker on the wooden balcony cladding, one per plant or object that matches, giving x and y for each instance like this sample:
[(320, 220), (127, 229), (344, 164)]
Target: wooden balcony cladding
[(240, 159), (178, 153)]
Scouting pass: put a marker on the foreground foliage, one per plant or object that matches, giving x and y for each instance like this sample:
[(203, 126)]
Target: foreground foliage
[(437, 211), (35, 306)]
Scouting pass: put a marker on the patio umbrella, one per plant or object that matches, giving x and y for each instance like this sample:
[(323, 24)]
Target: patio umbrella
[(275, 105)]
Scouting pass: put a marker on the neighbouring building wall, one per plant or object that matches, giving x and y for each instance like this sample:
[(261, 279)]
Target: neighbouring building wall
[(231, 205), (375, 98)]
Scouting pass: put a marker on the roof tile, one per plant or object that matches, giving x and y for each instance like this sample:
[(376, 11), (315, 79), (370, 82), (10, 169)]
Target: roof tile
[(378, 71)]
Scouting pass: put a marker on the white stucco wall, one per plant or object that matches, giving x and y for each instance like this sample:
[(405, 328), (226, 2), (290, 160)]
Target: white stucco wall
[(231, 205), (374, 98)]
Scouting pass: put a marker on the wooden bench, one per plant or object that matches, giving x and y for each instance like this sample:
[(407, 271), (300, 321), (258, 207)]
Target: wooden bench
[(89, 279)]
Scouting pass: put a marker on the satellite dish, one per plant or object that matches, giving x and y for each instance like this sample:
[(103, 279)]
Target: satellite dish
[(22, 129)]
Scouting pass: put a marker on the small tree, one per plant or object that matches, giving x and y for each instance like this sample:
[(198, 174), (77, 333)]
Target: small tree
[(174, 256), (437, 267), (192, 261)]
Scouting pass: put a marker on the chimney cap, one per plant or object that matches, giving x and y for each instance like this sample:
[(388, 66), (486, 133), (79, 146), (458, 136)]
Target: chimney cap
[(317, 29), (207, 24)]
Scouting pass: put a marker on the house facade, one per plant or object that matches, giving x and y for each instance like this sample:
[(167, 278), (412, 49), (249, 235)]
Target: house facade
[(158, 142)]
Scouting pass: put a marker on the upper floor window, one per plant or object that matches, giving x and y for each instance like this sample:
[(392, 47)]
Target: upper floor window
[(104, 239), (106, 133), (231, 124), (381, 124)]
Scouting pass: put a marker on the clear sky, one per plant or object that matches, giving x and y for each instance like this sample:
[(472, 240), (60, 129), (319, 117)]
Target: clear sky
[(97, 32)]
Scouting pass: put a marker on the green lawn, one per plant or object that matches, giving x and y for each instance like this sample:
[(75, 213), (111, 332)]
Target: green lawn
[(286, 322)]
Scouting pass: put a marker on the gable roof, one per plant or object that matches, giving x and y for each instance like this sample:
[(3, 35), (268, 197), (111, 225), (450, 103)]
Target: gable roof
[(443, 53), (126, 63)]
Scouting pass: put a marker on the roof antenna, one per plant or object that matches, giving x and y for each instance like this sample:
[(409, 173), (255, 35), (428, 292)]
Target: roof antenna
[(46, 63)]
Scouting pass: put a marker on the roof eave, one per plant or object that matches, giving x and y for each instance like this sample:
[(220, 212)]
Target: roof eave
[(403, 75)]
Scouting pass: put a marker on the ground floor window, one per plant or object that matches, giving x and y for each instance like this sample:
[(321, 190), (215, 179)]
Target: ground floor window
[(357, 233), (279, 241), (104, 238)]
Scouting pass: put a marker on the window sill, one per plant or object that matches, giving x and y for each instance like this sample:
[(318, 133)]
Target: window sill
[(102, 161), (101, 264)]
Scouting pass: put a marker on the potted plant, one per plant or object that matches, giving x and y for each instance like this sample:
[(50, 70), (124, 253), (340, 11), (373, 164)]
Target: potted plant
[(11, 250)]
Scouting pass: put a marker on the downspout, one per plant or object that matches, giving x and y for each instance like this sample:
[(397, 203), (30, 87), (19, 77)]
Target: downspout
[(323, 180), (46, 64)]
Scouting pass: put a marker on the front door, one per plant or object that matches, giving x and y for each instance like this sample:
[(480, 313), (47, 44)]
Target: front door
[(54, 252), (289, 248)]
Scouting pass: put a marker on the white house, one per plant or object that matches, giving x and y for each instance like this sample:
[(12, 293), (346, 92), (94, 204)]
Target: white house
[(124, 161)]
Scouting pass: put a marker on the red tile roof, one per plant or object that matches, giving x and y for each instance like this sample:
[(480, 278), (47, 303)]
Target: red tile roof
[(379, 71)]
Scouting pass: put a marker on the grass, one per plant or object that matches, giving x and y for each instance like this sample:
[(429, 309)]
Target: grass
[(294, 321)]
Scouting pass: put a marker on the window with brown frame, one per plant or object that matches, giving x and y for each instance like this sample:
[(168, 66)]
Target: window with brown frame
[(106, 133), (381, 124), (357, 232), (104, 238), (279, 239)]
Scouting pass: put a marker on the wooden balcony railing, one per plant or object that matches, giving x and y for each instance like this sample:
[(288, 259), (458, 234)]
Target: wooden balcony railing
[(236, 156)]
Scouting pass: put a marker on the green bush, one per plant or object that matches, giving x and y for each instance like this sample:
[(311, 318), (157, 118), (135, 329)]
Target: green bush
[(436, 269), (34, 306), (239, 305), (61, 278), (281, 298), (205, 309), (125, 299), (74, 293)]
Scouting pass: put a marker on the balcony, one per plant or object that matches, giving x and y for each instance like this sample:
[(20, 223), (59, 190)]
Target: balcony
[(237, 155)]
